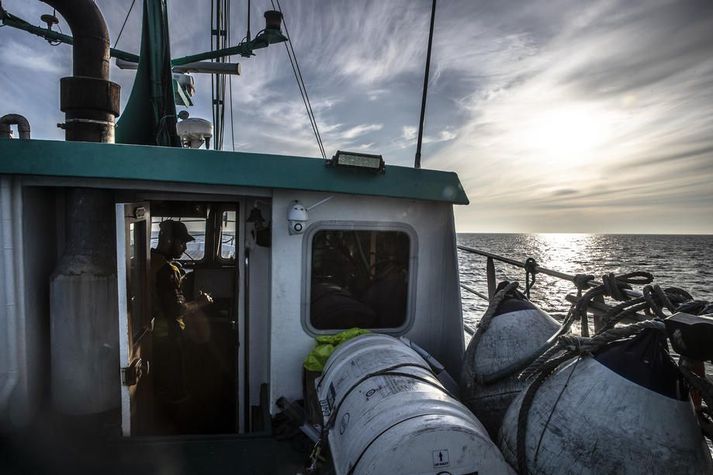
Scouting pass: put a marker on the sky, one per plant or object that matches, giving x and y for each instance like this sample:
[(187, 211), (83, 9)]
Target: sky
[(558, 116)]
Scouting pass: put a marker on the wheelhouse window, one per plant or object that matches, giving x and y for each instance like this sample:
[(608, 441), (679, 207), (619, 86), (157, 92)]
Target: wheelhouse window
[(359, 278), (194, 216), (227, 235)]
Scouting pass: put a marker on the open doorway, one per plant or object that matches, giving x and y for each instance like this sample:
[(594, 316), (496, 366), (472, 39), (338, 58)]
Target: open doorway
[(179, 349)]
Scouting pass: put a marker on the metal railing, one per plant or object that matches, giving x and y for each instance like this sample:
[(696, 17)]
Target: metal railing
[(532, 268), (529, 264)]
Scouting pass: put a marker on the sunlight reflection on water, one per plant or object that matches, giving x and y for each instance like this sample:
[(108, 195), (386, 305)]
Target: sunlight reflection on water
[(680, 261)]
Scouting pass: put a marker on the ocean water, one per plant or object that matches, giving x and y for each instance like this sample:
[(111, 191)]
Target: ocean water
[(684, 261)]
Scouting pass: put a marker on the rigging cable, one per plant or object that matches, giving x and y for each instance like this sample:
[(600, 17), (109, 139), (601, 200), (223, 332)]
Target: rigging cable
[(220, 24), (300, 82), (230, 81), (124, 24)]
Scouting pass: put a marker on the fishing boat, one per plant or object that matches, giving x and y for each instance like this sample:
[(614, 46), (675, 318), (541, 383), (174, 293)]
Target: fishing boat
[(291, 249)]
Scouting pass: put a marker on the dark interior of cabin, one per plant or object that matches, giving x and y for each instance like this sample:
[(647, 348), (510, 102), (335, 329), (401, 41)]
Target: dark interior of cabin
[(209, 340)]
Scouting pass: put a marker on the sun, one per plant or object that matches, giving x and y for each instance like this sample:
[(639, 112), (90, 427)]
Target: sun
[(566, 134)]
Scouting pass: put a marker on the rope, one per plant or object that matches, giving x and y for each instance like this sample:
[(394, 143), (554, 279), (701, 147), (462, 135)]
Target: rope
[(578, 345), (612, 286), (654, 301), (705, 388), (389, 371), (581, 281), (566, 348), (530, 274), (554, 406), (481, 327), (525, 410)]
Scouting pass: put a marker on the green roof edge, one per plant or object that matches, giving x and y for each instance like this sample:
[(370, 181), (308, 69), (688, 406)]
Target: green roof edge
[(168, 164)]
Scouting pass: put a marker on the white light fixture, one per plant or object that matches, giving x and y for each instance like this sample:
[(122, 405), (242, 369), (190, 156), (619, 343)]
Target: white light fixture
[(358, 160)]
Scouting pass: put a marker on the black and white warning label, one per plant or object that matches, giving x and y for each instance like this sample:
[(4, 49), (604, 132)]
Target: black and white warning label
[(440, 458)]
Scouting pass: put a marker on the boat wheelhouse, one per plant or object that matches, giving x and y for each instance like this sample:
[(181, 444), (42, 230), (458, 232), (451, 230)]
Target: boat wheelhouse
[(382, 244)]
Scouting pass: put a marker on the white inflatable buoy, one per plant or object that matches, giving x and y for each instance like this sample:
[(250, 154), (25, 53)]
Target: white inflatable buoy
[(515, 335), (388, 414), (623, 410)]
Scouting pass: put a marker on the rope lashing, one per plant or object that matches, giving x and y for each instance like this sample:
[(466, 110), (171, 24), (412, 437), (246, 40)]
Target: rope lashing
[(581, 281), (654, 299), (612, 286), (530, 274), (657, 299), (574, 345), (678, 296), (506, 288), (522, 416), (566, 348), (705, 388)]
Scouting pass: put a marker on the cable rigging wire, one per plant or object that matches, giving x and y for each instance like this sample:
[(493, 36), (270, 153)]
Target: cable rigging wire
[(300, 82), (219, 28), (124, 24), (230, 78)]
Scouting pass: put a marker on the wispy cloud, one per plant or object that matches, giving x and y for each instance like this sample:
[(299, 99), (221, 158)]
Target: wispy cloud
[(557, 115), (360, 130)]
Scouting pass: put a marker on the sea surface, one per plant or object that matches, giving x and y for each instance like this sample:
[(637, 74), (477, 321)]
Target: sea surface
[(684, 261)]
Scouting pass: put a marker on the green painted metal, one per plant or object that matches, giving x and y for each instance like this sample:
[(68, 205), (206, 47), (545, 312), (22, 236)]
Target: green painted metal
[(150, 114), (245, 49), (13, 21), (181, 97), (181, 165)]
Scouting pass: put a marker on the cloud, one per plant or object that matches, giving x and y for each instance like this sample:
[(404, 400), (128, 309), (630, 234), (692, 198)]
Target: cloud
[(557, 115), (564, 192), (360, 130), (409, 133)]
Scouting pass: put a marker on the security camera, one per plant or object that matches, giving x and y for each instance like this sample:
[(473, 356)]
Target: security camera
[(297, 218)]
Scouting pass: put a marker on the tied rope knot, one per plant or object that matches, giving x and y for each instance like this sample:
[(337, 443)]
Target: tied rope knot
[(614, 285), (581, 281), (573, 343), (657, 299)]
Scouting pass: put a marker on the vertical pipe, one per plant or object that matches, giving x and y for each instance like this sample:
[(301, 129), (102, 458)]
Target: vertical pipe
[(417, 163), (89, 100), (246, 380), (8, 296), (16, 399), (83, 290)]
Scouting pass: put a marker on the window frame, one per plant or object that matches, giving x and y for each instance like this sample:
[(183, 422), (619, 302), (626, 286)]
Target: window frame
[(307, 244), (223, 208), (187, 263)]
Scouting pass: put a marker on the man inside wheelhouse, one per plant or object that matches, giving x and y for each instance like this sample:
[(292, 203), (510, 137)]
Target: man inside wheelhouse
[(171, 310)]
